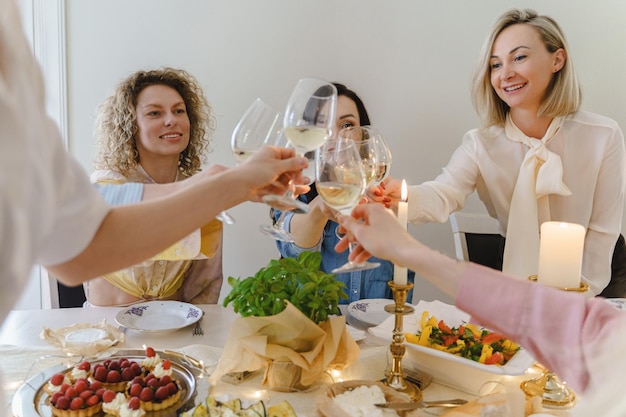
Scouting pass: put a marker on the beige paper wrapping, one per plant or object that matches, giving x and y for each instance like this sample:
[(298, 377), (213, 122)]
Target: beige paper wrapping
[(83, 339), (290, 336)]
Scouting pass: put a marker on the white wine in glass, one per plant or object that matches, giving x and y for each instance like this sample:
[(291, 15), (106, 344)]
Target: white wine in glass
[(364, 138), (307, 123), (384, 159), (306, 139), (341, 181)]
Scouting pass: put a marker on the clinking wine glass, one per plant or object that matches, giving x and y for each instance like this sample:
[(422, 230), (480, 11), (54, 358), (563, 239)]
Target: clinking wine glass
[(364, 138), (307, 124), (341, 181), (384, 159), (258, 126)]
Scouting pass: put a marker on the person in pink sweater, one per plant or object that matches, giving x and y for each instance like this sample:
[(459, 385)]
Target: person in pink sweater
[(581, 339)]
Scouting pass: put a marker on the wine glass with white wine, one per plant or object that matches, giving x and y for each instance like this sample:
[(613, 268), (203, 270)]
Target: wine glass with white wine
[(383, 163), (341, 181), (307, 123)]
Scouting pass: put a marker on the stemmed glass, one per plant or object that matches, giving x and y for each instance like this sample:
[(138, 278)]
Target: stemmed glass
[(277, 230), (259, 126), (307, 124), (341, 180), (365, 140), (383, 163)]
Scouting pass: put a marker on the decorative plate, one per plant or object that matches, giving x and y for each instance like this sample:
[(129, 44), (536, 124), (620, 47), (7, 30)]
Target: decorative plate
[(367, 313), (158, 316)]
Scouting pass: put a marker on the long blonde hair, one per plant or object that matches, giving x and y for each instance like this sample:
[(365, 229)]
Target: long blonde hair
[(116, 121), (563, 95)]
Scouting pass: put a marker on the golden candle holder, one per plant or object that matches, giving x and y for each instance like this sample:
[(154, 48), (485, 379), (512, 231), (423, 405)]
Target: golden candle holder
[(553, 392), (396, 378)]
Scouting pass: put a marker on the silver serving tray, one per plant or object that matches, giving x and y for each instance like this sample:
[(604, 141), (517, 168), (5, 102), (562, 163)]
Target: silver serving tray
[(30, 400)]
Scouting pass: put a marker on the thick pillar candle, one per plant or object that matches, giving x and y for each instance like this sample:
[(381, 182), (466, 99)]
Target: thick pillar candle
[(400, 273), (561, 254)]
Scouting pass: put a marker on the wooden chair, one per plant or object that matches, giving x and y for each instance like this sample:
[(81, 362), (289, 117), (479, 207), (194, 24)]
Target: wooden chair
[(477, 238)]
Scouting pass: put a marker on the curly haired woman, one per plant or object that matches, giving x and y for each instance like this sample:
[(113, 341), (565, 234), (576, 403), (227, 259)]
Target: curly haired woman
[(156, 128)]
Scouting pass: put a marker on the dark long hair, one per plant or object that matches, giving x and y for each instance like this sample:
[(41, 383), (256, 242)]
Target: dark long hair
[(364, 118)]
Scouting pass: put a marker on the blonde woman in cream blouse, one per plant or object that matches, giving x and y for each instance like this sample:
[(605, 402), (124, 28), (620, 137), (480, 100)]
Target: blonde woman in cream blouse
[(538, 157), (163, 141)]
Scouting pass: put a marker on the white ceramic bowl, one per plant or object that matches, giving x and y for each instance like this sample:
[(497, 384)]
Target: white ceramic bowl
[(446, 368)]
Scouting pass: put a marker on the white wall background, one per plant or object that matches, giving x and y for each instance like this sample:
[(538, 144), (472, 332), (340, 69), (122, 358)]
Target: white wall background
[(410, 60)]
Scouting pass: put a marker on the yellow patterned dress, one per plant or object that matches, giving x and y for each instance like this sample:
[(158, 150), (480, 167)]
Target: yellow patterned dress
[(190, 270)]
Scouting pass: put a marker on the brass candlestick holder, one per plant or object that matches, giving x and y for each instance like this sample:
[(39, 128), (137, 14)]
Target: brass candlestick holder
[(396, 378), (553, 392)]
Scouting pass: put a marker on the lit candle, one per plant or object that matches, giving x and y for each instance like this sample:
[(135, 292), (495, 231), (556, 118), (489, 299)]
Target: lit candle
[(400, 273), (561, 254)]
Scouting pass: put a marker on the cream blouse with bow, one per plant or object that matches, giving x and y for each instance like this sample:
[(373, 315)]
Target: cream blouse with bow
[(591, 152)]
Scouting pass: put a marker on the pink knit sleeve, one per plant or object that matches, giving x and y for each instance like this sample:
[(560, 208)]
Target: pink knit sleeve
[(563, 331)]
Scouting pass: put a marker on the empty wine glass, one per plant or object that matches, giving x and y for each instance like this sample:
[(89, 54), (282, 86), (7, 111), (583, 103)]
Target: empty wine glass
[(259, 126), (341, 180), (307, 124)]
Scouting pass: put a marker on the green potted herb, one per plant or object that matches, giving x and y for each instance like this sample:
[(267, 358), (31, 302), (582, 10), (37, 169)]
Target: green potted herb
[(289, 323), (300, 281)]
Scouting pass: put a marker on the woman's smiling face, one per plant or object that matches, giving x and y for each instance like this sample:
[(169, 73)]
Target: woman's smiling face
[(162, 122), (522, 67)]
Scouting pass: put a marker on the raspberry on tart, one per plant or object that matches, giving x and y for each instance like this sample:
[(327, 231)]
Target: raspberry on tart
[(132, 408), (152, 359), (82, 370), (58, 382)]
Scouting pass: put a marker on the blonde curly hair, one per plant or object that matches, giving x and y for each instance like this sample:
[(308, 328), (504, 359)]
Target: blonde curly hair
[(116, 121)]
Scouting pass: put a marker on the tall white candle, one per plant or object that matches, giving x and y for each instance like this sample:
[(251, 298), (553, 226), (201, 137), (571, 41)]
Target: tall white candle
[(400, 273), (561, 254)]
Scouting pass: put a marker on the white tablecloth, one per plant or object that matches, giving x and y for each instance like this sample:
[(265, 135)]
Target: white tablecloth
[(23, 354)]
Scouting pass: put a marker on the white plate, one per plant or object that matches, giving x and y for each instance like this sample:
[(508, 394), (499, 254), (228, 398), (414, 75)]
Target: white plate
[(367, 313), (619, 303), (158, 316)]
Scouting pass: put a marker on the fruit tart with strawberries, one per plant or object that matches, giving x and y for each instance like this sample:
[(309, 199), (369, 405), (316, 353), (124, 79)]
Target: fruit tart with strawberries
[(119, 386), (79, 399), (155, 393)]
